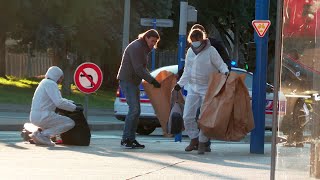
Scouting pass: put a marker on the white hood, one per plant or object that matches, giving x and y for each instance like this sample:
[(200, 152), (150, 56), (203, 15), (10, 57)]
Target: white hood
[(54, 73)]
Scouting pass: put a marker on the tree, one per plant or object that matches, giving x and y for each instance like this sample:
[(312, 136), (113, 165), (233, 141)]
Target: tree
[(9, 20), (67, 28), (148, 9)]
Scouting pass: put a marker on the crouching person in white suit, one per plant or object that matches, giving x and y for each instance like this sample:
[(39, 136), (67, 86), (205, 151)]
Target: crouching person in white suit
[(46, 99)]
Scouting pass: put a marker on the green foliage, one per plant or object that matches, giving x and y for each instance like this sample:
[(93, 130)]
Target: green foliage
[(20, 91), (148, 9)]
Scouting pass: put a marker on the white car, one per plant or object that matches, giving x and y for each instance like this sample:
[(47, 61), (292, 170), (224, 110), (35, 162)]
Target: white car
[(148, 120)]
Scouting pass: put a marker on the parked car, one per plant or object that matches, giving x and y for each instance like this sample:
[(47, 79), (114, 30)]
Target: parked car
[(148, 120)]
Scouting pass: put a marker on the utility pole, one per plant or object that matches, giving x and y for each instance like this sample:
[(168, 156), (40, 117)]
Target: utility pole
[(259, 82), (182, 32), (126, 25)]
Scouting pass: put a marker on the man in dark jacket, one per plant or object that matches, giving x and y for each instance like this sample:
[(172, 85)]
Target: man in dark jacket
[(131, 72)]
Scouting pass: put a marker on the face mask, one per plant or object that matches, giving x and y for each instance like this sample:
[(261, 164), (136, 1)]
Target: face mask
[(196, 44)]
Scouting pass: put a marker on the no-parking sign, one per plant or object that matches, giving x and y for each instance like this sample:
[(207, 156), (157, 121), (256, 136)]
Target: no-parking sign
[(88, 77)]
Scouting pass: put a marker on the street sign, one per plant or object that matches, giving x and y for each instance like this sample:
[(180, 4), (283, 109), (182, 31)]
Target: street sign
[(261, 26), (192, 14), (88, 77), (158, 22)]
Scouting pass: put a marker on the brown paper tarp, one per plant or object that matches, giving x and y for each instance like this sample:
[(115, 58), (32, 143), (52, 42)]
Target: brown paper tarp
[(226, 112), (160, 98)]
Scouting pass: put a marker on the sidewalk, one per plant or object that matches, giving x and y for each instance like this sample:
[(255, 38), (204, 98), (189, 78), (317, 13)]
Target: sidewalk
[(13, 116), (161, 159)]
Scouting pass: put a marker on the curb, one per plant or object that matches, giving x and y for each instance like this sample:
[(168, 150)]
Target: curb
[(93, 127)]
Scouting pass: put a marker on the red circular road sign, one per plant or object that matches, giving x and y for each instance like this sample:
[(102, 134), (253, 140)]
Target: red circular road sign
[(88, 77)]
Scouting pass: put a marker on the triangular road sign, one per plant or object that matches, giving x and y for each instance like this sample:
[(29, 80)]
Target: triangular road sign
[(261, 26)]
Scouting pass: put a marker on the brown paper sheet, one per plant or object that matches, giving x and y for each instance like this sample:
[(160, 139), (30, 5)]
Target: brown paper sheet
[(226, 112), (160, 98)]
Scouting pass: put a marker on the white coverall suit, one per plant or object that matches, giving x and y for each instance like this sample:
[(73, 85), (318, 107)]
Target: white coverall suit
[(46, 99), (196, 75)]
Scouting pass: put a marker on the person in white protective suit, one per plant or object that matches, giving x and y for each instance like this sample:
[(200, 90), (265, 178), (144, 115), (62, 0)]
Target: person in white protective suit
[(202, 59), (46, 99)]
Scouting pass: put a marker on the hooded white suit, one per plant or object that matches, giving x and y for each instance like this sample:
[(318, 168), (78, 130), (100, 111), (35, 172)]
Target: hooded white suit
[(197, 69), (45, 100)]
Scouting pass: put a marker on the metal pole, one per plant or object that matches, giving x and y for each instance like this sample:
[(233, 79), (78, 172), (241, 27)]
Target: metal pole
[(182, 44), (277, 70), (182, 32), (126, 25), (86, 102), (153, 50), (259, 82)]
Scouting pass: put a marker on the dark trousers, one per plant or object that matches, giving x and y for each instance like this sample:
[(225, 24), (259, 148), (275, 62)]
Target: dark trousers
[(132, 94)]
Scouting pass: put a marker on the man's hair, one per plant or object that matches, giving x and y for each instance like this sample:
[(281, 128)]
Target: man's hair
[(196, 34), (150, 33)]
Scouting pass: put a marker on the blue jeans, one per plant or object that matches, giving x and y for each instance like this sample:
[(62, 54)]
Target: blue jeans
[(132, 93)]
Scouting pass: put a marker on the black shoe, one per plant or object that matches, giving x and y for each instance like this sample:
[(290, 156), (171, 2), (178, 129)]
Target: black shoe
[(137, 145), (126, 143), (122, 142)]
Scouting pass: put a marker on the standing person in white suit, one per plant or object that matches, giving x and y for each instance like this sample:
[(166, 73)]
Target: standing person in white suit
[(46, 99), (202, 59)]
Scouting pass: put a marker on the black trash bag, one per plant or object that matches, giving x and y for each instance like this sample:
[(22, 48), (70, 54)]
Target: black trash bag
[(80, 134), (176, 123)]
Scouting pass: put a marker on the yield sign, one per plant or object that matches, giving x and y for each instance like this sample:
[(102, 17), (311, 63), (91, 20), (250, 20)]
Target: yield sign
[(261, 26), (88, 77)]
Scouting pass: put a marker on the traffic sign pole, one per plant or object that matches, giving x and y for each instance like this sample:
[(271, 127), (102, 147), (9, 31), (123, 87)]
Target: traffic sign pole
[(259, 82), (86, 106), (182, 44), (182, 33)]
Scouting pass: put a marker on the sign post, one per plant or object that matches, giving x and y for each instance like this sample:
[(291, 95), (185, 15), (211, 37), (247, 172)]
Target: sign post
[(88, 79), (154, 23), (259, 76)]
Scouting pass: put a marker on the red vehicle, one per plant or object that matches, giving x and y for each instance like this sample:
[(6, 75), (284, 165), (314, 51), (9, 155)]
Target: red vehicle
[(300, 64)]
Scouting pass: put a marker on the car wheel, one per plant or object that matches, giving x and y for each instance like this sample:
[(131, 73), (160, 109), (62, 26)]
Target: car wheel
[(297, 126), (145, 130)]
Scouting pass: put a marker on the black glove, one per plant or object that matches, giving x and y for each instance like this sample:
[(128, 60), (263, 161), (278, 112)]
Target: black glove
[(177, 87), (226, 73), (156, 84), (79, 108)]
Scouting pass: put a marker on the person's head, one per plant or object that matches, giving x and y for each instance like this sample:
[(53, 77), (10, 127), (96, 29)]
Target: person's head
[(196, 35), (198, 26), (54, 73), (151, 37)]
